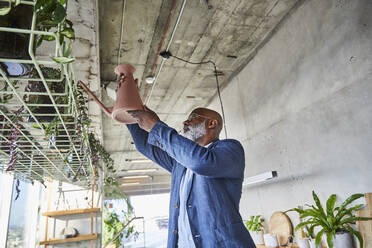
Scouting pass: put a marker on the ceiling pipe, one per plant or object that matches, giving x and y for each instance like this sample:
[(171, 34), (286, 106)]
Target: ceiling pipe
[(169, 44), (121, 32), (163, 37)]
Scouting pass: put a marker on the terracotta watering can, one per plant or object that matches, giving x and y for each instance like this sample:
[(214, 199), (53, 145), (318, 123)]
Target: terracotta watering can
[(127, 97)]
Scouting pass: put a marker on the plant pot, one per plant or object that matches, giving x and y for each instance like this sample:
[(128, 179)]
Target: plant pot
[(312, 244), (271, 240), (303, 243), (342, 239), (258, 237)]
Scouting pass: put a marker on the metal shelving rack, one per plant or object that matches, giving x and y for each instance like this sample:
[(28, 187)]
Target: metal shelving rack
[(37, 156)]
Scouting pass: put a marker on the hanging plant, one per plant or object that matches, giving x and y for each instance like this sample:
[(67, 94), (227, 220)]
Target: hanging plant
[(5, 98), (111, 188), (13, 138), (51, 14), (98, 153), (81, 108)]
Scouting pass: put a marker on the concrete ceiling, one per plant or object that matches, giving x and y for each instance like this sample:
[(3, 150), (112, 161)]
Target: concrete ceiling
[(228, 32)]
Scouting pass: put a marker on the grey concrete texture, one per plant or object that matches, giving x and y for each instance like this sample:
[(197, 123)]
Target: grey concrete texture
[(303, 106), (225, 29)]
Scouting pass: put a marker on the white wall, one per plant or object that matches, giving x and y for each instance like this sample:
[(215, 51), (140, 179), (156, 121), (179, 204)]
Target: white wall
[(303, 106)]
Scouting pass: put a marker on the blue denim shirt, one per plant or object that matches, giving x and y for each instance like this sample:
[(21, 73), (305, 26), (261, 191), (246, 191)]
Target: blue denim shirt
[(185, 237), (215, 191)]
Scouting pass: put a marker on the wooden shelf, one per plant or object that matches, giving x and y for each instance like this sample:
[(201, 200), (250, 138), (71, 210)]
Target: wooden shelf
[(69, 240), (71, 212)]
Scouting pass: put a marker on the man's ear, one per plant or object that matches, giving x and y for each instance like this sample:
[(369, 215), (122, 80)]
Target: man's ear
[(213, 124)]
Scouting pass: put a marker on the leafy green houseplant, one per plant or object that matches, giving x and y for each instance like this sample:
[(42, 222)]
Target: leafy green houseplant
[(255, 227), (255, 223), (113, 223), (332, 221)]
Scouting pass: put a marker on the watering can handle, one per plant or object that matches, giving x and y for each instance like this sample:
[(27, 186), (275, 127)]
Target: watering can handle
[(107, 110)]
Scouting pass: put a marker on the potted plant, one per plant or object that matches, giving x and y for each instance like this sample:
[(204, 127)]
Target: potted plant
[(114, 222), (334, 222), (255, 228)]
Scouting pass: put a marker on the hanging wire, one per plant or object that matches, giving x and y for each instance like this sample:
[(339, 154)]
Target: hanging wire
[(167, 54)]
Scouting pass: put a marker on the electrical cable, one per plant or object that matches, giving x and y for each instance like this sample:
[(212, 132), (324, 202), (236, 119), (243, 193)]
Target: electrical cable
[(167, 54)]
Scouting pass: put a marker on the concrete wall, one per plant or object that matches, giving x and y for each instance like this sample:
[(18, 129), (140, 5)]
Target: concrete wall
[(303, 106)]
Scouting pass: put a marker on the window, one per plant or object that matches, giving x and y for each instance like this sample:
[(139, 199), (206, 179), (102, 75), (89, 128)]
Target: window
[(20, 215)]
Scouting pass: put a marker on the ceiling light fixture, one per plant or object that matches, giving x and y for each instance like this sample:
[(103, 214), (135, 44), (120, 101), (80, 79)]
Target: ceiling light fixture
[(150, 79), (260, 178), (141, 170), (127, 184), (138, 160), (136, 177)]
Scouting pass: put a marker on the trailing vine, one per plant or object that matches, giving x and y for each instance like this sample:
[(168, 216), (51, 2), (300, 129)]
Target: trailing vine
[(51, 16)]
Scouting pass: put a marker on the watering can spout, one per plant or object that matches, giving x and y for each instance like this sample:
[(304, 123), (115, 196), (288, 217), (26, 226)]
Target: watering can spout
[(107, 110), (127, 98)]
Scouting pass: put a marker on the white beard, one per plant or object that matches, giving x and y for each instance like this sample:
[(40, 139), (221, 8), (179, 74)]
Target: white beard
[(195, 132)]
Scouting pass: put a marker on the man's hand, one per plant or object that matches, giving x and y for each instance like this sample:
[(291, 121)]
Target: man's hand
[(146, 119)]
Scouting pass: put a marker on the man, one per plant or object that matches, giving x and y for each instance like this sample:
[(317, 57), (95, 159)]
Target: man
[(207, 177)]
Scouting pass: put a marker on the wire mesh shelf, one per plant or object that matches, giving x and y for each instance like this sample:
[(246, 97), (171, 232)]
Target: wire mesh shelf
[(41, 131)]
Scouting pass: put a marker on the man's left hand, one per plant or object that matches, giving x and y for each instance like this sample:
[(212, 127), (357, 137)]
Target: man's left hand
[(146, 119)]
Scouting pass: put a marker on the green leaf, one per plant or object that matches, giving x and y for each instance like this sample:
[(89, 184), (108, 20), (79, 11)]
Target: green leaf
[(349, 211), (350, 200), (331, 204), (68, 51), (257, 218), (310, 230), (39, 41), (59, 13), (318, 204), (318, 237), (330, 238), (4, 11), (351, 220), (62, 2), (69, 23), (48, 37), (357, 234), (17, 2), (40, 3), (298, 210), (308, 213), (68, 32), (63, 60), (8, 97), (48, 23), (302, 224)]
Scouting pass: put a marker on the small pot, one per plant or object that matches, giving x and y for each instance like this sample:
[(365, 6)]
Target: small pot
[(342, 239), (303, 243), (312, 244), (271, 240), (258, 237)]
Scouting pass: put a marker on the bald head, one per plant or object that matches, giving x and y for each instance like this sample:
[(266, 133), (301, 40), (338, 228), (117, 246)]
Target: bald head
[(212, 115)]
